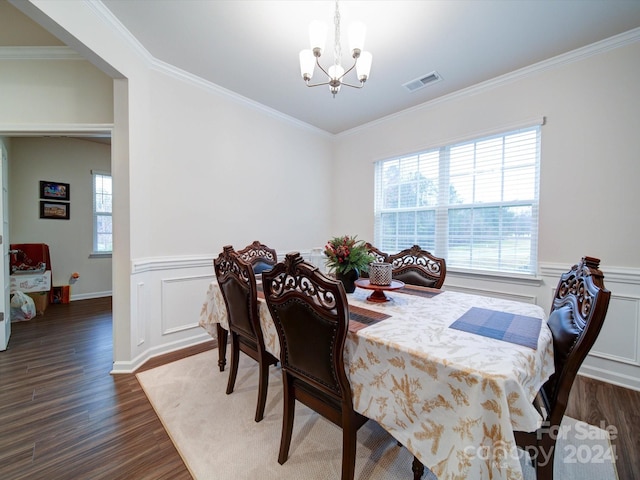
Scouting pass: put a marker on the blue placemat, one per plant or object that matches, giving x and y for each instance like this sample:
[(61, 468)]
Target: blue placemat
[(509, 327)]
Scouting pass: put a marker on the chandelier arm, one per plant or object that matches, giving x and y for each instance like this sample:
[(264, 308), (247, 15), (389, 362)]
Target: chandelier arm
[(353, 86), (323, 70), (345, 73), (316, 84)]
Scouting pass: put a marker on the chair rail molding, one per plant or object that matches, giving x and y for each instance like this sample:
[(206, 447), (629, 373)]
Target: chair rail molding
[(625, 275)]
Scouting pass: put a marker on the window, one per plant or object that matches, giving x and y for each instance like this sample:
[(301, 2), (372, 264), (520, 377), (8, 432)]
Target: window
[(102, 205), (474, 203)]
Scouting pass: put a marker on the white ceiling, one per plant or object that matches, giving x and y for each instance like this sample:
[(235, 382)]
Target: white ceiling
[(251, 46)]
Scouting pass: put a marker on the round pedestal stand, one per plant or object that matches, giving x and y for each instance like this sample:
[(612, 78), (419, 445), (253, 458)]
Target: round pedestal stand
[(378, 295)]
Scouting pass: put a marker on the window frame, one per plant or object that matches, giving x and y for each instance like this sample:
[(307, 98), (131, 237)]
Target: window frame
[(95, 214), (440, 244)]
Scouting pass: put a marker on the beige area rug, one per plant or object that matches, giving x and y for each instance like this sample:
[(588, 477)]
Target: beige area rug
[(218, 439)]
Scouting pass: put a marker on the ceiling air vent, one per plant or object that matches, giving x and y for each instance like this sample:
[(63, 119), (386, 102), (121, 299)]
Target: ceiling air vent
[(423, 81)]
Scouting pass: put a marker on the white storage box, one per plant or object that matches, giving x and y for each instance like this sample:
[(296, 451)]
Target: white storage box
[(40, 282)]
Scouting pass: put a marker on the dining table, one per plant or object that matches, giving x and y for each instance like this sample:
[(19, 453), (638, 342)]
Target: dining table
[(450, 375)]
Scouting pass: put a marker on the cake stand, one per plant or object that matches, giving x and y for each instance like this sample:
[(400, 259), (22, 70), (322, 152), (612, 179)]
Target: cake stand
[(378, 295)]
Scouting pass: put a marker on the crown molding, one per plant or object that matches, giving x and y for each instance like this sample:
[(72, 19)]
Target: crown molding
[(39, 53), (107, 17), (199, 82), (100, 10), (57, 130), (597, 48)]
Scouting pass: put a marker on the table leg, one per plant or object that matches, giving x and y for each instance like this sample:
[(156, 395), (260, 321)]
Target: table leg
[(222, 346), (418, 469)]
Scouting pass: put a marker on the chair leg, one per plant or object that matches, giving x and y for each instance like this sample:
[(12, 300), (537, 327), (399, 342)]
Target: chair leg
[(263, 385), (544, 468), (349, 438), (235, 358), (222, 346), (287, 419), (418, 469)]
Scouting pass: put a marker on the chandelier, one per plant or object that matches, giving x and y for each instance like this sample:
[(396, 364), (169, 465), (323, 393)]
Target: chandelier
[(335, 73)]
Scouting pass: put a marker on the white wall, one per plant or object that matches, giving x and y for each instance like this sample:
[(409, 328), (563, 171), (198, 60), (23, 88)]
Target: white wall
[(41, 93), (70, 241), (202, 169), (590, 147), (588, 184), (218, 172)]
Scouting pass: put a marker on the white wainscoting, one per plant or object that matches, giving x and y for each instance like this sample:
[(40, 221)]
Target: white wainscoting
[(615, 357), (168, 293), (166, 299)]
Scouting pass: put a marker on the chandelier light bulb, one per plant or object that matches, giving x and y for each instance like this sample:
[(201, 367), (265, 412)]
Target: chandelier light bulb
[(357, 33), (317, 35), (336, 72), (307, 64), (363, 67)]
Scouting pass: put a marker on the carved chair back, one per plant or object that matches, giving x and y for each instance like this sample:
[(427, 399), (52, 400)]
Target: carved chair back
[(260, 256), (578, 311), (238, 286), (378, 256), (237, 283), (311, 316), (579, 307), (416, 266)]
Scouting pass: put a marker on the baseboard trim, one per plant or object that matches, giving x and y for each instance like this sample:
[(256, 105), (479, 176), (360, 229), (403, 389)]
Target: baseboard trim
[(88, 296), (136, 363), (607, 376)]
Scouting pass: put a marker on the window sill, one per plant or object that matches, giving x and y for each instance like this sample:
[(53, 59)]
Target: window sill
[(496, 277), (100, 255)]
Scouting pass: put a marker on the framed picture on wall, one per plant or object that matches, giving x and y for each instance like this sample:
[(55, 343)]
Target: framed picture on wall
[(54, 190), (54, 210)]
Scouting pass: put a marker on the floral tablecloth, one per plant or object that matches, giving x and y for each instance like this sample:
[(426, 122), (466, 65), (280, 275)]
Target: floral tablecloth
[(452, 398)]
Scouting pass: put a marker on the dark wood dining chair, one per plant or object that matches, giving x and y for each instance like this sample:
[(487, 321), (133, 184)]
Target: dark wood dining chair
[(579, 307), (260, 256), (377, 256), (311, 315), (416, 266), (238, 286), (578, 311)]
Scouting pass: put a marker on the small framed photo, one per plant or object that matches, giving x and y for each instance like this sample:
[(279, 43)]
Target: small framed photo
[(54, 210), (54, 190)]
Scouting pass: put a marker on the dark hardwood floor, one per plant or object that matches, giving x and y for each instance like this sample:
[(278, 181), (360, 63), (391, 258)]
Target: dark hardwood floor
[(63, 416)]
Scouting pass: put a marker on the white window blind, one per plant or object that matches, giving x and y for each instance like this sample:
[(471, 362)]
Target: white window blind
[(474, 203), (102, 208)]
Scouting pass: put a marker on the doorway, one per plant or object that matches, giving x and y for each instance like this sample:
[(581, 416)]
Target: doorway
[(5, 319), (31, 158)]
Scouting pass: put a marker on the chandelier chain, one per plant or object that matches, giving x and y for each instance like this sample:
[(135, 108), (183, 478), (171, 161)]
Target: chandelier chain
[(337, 49)]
